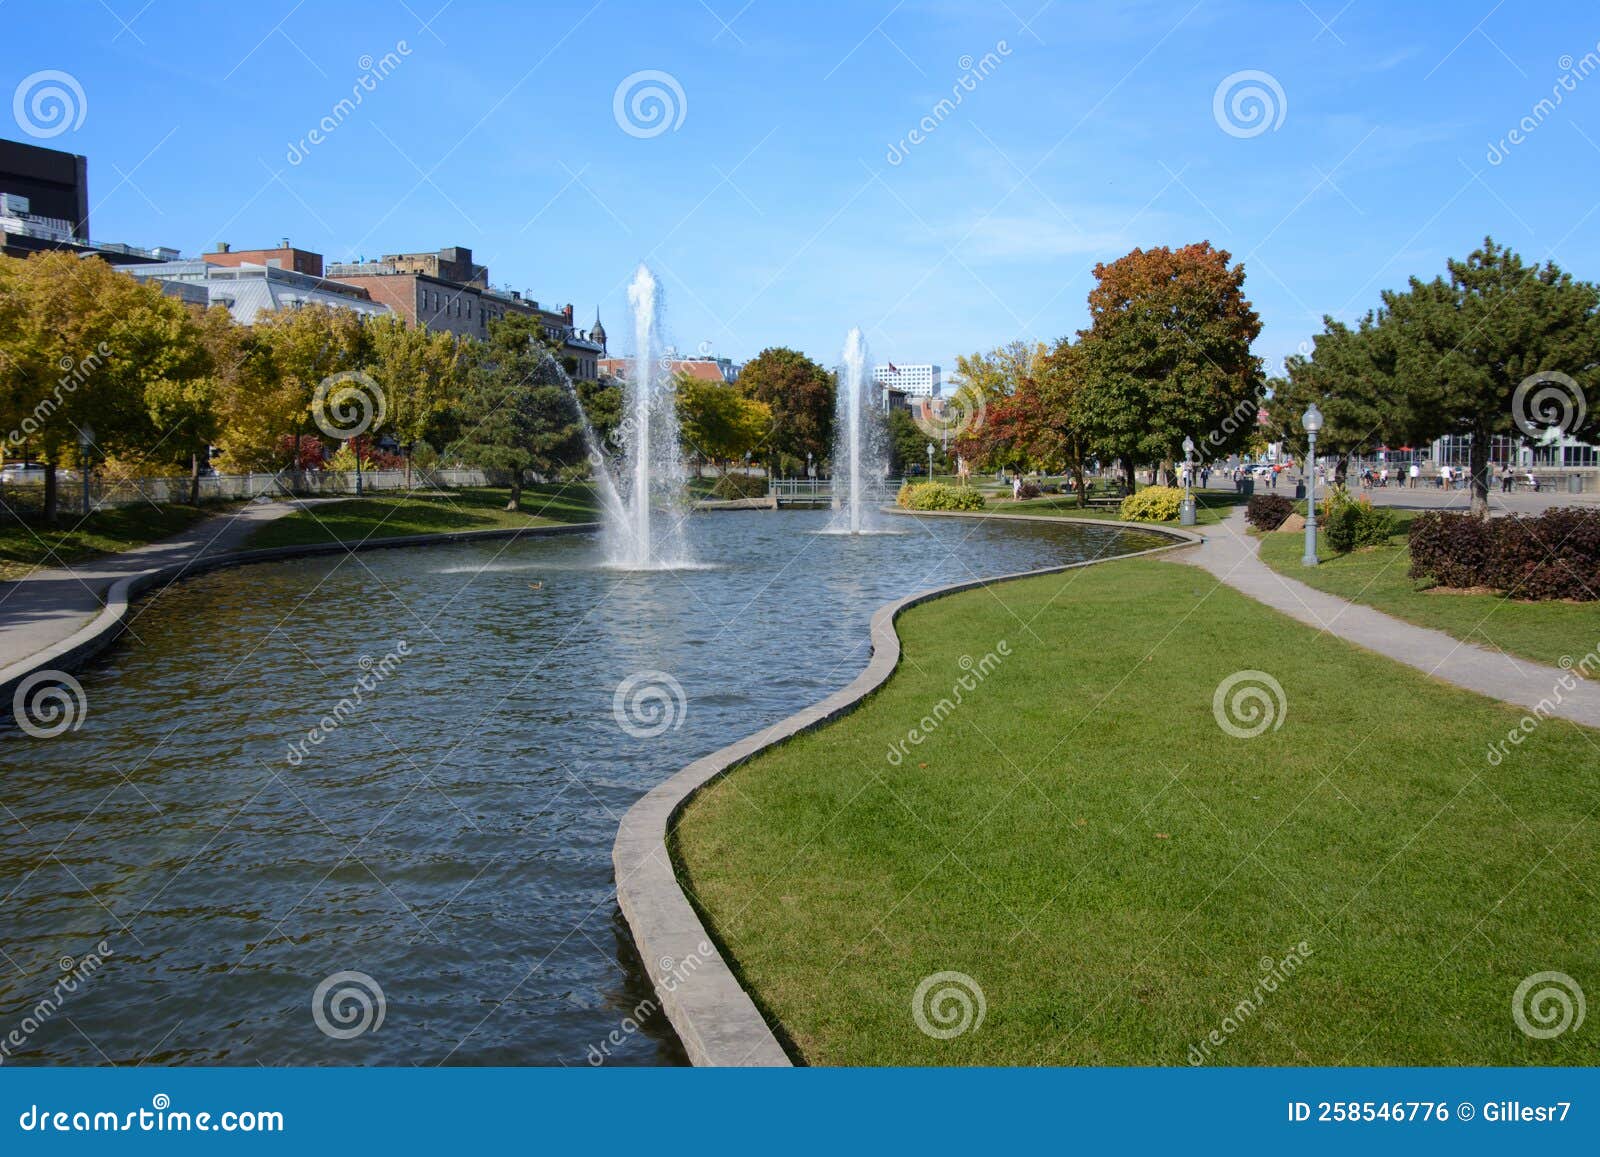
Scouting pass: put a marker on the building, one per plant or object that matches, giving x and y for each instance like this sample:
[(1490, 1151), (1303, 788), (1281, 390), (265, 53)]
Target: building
[(446, 290), (705, 369), (916, 381), (44, 206), (250, 290), (285, 256)]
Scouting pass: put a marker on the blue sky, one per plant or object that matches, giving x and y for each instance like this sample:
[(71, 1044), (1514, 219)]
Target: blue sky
[(770, 206)]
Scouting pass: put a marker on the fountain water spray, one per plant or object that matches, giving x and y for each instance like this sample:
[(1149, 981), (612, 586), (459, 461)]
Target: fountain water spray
[(611, 503), (655, 471), (858, 442)]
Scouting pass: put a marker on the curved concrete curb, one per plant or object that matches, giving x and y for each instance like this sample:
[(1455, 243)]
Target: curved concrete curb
[(76, 649), (714, 1017)]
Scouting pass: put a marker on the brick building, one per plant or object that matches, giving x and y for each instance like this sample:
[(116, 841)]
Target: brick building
[(446, 290)]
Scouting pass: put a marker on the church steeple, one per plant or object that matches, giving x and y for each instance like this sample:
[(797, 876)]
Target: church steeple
[(597, 332)]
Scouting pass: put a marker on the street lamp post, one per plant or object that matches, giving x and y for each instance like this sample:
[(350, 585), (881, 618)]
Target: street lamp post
[(1312, 421), (1186, 508), (85, 444), (930, 461)]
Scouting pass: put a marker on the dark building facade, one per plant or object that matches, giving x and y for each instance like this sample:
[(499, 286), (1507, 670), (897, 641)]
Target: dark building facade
[(56, 184)]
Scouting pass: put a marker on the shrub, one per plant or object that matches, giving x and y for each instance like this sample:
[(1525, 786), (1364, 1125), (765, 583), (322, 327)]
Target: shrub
[(1153, 504), (938, 496), (1029, 490), (1351, 522), (1267, 511), (1554, 555), (740, 486)]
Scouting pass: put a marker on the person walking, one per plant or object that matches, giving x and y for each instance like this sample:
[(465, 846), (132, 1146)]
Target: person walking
[(1416, 472)]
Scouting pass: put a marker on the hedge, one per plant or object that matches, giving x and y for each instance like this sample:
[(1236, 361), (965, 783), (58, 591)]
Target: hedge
[(1554, 555)]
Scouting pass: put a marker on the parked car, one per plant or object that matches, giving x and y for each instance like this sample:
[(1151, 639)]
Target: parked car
[(21, 473)]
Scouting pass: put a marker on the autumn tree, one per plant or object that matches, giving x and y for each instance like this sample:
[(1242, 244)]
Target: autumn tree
[(95, 359), (1167, 354), (420, 372), (309, 346), (717, 421), (800, 394)]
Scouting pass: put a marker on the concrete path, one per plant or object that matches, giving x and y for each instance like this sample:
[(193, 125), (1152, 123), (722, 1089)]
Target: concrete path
[(50, 605), (1230, 554)]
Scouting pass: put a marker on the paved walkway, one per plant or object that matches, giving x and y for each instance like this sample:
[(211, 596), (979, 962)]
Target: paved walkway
[(49, 605), (1230, 554)]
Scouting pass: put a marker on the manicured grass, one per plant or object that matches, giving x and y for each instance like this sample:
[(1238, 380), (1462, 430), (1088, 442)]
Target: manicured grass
[(1210, 507), (27, 542), (1543, 632), (396, 515), (1083, 840)]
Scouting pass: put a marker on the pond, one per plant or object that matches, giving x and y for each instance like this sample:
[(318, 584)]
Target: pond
[(238, 837)]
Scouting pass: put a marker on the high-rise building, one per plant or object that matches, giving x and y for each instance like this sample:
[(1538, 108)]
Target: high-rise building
[(915, 381)]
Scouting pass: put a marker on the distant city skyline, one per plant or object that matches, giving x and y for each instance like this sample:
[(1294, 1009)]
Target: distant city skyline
[(943, 176)]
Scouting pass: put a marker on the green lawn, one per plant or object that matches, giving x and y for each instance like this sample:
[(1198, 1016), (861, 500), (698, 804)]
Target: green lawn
[(1543, 632), (1082, 839), (396, 515), (26, 542), (1211, 507)]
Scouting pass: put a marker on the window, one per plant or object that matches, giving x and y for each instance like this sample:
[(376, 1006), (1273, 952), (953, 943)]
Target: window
[(1581, 456)]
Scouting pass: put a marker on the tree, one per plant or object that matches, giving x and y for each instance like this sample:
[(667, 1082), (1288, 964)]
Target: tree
[(800, 394), (1468, 352), (717, 421), (310, 346), (518, 413), (89, 349), (1000, 372), (255, 410), (1167, 355), (1350, 375), (420, 372)]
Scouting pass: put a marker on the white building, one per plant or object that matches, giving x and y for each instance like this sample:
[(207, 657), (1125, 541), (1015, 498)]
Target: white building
[(918, 381), (249, 290)]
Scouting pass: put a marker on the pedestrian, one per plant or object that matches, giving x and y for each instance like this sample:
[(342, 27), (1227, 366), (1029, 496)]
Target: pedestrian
[(1506, 479), (1383, 478), (1416, 472), (1016, 487)]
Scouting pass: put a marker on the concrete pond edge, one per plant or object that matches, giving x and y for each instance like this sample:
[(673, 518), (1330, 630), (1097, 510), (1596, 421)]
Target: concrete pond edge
[(715, 1018), (73, 652)]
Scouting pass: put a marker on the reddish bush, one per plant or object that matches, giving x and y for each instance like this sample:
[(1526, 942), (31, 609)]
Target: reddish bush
[(1267, 511), (1554, 555)]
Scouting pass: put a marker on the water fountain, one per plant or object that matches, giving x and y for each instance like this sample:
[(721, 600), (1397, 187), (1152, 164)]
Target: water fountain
[(654, 471), (612, 507), (858, 444)]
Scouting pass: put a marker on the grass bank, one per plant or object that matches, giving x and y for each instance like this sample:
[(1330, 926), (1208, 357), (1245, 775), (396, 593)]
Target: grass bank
[(394, 515), (1083, 840), (1543, 632), (27, 543)]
